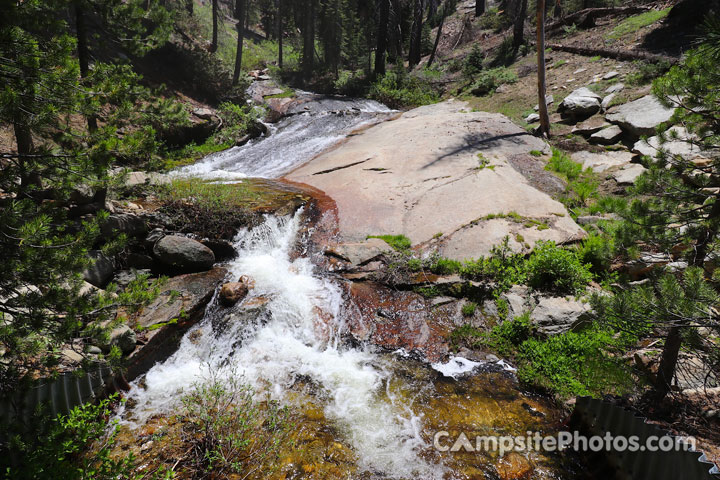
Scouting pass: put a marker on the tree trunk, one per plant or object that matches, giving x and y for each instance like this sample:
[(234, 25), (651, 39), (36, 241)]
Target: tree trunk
[(668, 363), (214, 44), (416, 34), (557, 11), (83, 55), (309, 41), (190, 6), (437, 37), (240, 14), (519, 27), (280, 33), (382, 35), (542, 89), (479, 7)]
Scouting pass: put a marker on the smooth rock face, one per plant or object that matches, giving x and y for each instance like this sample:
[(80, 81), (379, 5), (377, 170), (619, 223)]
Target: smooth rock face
[(555, 315), (582, 101), (100, 272), (183, 255), (642, 116), (421, 175), (360, 253), (600, 162), (629, 174), (680, 146), (607, 136)]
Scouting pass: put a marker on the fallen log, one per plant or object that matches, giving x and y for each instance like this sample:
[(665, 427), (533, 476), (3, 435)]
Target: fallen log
[(586, 18), (627, 55)]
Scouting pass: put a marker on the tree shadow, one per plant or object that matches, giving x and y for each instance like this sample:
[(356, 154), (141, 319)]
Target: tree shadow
[(480, 142)]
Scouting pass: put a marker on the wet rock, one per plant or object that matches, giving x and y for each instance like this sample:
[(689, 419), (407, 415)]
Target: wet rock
[(629, 174), (183, 255), (127, 223), (514, 466), (642, 116), (250, 311), (100, 271), (600, 162), (607, 136), (233, 292), (581, 102), (222, 249), (555, 315)]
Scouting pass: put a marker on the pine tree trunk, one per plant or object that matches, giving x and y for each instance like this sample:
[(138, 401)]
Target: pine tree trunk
[(309, 40), (382, 37), (542, 89), (416, 34), (214, 44), (519, 27), (437, 37), (83, 55), (557, 11), (240, 14), (280, 33), (479, 7), (668, 363)]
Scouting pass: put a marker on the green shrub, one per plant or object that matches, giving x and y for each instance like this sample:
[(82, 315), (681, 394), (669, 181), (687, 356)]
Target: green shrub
[(62, 448), (494, 20), (473, 63), (503, 266), (554, 268), (506, 337), (468, 309), (646, 72), (238, 120), (229, 432), (444, 266), (597, 251), (351, 83), (488, 80), (561, 163), (398, 242), (573, 364), (397, 89)]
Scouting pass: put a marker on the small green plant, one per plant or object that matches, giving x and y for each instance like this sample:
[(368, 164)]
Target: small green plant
[(561, 163), (473, 63), (397, 89), (596, 58), (229, 432), (438, 235), (597, 251), (488, 80), (536, 153), (467, 336), (646, 72), (400, 243), (468, 309), (570, 29), (484, 163), (507, 336), (554, 268)]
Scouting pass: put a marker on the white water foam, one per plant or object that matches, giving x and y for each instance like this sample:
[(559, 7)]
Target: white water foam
[(294, 342)]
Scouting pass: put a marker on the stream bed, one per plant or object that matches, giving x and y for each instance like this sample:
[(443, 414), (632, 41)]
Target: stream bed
[(359, 411)]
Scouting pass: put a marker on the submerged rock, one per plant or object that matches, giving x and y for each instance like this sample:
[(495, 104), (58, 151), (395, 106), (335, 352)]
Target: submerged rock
[(233, 292)]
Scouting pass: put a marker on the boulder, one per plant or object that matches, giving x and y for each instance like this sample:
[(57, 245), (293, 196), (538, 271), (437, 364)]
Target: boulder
[(183, 255), (607, 136), (152, 237), (100, 271), (233, 292), (532, 118), (555, 315), (82, 195), (253, 310), (581, 102), (360, 253), (133, 179), (629, 174), (600, 162), (123, 337), (641, 117), (590, 126), (618, 87), (605, 104), (679, 143), (123, 278), (222, 249), (610, 75), (127, 223)]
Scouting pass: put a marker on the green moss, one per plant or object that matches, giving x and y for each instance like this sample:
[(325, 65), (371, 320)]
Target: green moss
[(398, 242), (636, 22), (536, 153)]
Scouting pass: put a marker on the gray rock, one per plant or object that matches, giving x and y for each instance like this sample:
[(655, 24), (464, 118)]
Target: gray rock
[(679, 143), (674, 267), (555, 315), (589, 219), (549, 100), (618, 87), (122, 336), (360, 253), (642, 116), (600, 162), (71, 355), (100, 271), (605, 104), (607, 136), (183, 255), (580, 102), (629, 174), (123, 278), (139, 261), (82, 195), (134, 179), (590, 126), (127, 223), (610, 75), (518, 301), (206, 113), (532, 118), (152, 237), (638, 269), (93, 350)]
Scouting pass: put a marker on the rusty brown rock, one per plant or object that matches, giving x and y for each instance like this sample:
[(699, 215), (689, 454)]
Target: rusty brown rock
[(233, 292)]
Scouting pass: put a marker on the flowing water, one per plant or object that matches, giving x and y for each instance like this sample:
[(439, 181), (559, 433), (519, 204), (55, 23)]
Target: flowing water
[(361, 413)]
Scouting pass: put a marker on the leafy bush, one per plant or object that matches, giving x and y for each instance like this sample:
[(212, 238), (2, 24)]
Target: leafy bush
[(573, 364), (488, 80), (597, 251), (503, 266), (62, 448), (229, 432), (397, 89), (238, 120), (555, 268), (506, 337), (352, 83)]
